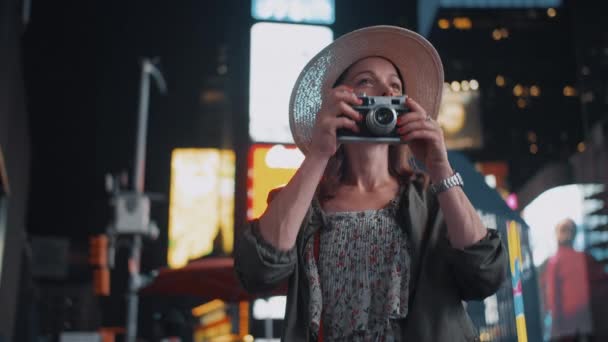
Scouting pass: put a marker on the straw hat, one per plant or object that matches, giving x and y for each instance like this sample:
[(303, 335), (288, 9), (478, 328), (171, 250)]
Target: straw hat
[(417, 60)]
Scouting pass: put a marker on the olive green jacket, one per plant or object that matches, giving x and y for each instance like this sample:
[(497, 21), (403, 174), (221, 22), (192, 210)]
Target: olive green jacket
[(441, 276)]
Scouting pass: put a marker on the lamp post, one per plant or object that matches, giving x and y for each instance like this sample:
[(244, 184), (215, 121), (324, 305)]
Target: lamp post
[(132, 207)]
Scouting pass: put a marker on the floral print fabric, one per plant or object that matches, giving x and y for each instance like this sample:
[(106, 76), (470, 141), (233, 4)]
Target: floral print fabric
[(359, 287)]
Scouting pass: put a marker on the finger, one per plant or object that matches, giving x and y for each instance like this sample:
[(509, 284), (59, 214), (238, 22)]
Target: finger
[(344, 87), (343, 122), (415, 113), (338, 105), (349, 111), (414, 106), (421, 135), (416, 125), (411, 117), (348, 96), (334, 95)]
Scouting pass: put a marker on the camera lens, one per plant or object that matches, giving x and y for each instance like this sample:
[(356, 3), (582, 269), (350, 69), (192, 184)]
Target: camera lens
[(384, 116), (381, 121)]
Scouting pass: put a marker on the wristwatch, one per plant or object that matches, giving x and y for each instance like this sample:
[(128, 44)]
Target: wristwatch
[(447, 183)]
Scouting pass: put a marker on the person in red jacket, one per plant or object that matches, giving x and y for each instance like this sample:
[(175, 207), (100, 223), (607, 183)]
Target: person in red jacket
[(566, 287)]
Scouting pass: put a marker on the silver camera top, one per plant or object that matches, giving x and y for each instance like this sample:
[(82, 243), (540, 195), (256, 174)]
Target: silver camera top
[(373, 101)]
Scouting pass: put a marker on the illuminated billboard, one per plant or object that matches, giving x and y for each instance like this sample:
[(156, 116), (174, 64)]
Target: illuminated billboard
[(499, 3), (549, 208), (296, 11), (278, 53), (201, 204), (270, 166), (459, 114)]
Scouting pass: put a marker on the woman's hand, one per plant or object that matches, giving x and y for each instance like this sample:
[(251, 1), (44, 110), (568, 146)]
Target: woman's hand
[(425, 138), (336, 112)]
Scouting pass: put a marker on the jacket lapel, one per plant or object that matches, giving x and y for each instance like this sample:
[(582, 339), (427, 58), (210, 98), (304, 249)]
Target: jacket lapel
[(413, 211)]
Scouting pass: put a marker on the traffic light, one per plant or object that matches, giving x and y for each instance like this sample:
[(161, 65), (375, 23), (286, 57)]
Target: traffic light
[(98, 250), (98, 258), (101, 281)]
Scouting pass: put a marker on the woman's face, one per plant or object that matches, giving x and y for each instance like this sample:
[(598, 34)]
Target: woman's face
[(374, 76)]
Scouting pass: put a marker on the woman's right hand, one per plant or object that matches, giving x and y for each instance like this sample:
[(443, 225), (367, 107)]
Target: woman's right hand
[(336, 112)]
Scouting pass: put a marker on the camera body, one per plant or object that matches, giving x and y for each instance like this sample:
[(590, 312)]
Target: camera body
[(379, 122)]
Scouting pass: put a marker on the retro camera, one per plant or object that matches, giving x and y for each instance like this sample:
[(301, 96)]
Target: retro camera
[(379, 122)]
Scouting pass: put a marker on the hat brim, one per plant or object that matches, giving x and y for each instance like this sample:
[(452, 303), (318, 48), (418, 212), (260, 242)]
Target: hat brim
[(417, 60)]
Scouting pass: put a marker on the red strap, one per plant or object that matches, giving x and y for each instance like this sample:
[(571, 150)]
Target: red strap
[(316, 252)]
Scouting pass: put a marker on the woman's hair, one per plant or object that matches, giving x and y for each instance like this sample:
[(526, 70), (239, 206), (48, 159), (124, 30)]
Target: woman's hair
[(399, 158), (399, 166)]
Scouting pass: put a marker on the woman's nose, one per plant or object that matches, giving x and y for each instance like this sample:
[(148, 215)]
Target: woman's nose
[(387, 90)]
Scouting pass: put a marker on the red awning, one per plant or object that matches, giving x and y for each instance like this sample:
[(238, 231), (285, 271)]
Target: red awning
[(211, 278)]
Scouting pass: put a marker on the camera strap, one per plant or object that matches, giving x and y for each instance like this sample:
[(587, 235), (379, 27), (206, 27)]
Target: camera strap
[(317, 247)]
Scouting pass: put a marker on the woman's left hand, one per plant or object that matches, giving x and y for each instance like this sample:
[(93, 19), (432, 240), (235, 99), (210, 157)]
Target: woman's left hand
[(425, 138)]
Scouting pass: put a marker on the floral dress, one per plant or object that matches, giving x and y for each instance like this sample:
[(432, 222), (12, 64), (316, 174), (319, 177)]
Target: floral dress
[(359, 286)]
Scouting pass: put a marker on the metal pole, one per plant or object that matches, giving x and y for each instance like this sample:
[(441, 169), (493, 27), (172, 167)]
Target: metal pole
[(134, 283), (138, 185), (142, 126), (147, 69), (268, 328)]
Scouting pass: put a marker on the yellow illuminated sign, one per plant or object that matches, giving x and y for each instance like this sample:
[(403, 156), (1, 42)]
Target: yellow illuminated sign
[(208, 307), (270, 166), (201, 204)]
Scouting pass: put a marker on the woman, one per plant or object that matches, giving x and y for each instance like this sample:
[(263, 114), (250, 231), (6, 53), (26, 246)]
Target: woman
[(370, 252)]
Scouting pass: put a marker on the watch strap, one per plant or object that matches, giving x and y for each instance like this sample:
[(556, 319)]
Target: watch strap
[(447, 183)]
